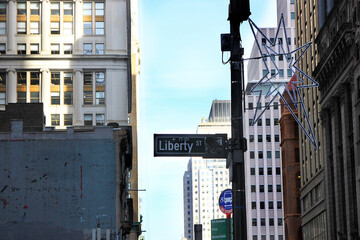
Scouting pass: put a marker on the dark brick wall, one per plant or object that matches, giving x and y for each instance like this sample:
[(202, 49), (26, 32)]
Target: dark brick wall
[(32, 115)]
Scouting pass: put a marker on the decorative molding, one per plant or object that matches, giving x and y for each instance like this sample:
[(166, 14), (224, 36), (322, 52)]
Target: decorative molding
[(78, 70), (44, 70), (11, 70)]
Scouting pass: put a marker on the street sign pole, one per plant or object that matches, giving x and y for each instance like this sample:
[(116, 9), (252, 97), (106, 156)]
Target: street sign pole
[(239, 11)]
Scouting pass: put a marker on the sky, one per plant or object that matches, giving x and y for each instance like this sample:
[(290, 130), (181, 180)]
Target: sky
[(181, 73)]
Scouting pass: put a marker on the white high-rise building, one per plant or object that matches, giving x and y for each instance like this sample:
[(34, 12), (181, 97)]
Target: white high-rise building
[(73, 56), (205, 179), (263, 159)]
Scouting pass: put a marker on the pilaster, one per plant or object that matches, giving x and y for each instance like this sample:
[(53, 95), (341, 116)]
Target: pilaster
[(11, 86), (78, 97), (11, 43), (45, 27)]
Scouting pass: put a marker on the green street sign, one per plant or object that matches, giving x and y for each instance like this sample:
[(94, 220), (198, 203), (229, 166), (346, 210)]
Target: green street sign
[(190, 145), (219, 229)]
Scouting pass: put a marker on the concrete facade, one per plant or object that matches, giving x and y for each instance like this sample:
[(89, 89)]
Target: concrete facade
[(74, 57), (338, 74), (49, 193), (311, 160), (290, 168)]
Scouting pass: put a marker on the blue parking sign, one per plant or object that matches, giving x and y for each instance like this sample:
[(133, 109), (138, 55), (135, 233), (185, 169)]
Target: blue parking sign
[(225, 201)]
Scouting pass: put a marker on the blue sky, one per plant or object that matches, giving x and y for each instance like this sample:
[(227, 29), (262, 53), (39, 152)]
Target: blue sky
[(181, 74)]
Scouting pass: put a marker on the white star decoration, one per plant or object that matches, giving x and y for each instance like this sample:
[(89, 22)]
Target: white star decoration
[(266, 80)]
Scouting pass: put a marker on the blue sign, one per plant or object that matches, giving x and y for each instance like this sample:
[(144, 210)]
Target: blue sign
[(225, 201)]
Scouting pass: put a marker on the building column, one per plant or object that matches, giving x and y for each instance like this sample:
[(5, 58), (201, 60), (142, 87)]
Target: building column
[(78, 25), (11, 86), (328, 179), (45, 86), (338, 168), (78, 97), (11, 43), (45, 27)]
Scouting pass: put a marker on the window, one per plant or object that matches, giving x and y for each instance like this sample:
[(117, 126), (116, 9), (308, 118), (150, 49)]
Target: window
[(277, 154), (99, 48), (261, 188), (267, 122), (280, 222), (268, 138), (99, 13), (34, 48), (262, 221), (252, 154), (34, 27), (68, 88), (261, 171), (99, 28), (268, 154), (34, 8), (87, 9), (34, 78), (289, 73), (2, 9), (21, 27), (277, 138), (67, 48), (292, 14), (260, 155), (55, 119), (281, 73), (87, 48), (272, 72), (87, 28), (259, 122), (278, 188), (55, 98), (253, 205), (21, 48), (260, 138), (252, 171), (55, 8), (251, 138), (281, 57), (262, 205), (68, 9), (88, 119), (254, 221), (279, 205), (2, 48), (253, 188), (271, 223), (270, 188), (21, 8), (68, 28), (269, 171), (88, 93), (2, 27), (55, 27), (292, 1), (276, 121), (251, 122), (272, 57), (289, 39), (271, 205), (100, 97), (68, 119), (100, 119), (55, 48), (2, 87), (265, 71), (278, 171), (68, 96), (276, 105), (55, 78)]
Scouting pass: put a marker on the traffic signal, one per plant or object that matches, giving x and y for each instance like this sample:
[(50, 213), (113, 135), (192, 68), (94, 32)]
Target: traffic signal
[(239, 10)]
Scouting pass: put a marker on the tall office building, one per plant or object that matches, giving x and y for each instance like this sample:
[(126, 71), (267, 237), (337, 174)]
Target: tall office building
[(338, 74), (263, 158), (73, 56), (205, 179), (311, 160)]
